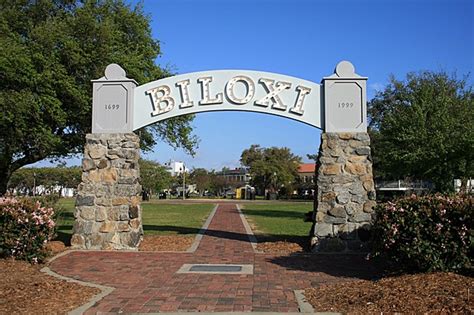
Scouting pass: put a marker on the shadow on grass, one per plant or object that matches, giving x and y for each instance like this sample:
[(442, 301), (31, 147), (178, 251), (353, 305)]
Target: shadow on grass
[(65, 215), (226, 235), (187, 230), (64, 234), (170, 228), (64, 227), (274, 213)]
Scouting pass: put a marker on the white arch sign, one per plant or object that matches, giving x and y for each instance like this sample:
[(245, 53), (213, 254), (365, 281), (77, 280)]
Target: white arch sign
[(336, 105)]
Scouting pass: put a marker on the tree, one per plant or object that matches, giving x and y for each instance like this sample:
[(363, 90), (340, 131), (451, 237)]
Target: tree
[(219, 184), (153, 176), (202, 178), (50, 50), (423, 128), (25, 179), (271, 168)]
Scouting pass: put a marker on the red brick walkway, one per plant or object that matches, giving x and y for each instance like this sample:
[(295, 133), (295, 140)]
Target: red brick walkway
[(148, 282)]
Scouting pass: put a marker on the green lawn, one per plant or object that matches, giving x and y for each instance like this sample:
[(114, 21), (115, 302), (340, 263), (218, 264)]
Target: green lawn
[(65, 220), (279, 221), (166, 219), (158, 218)]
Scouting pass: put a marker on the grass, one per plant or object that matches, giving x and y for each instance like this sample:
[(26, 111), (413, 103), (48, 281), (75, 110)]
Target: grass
[(168, 219), (65, 220), (271, 221), (279, 220), (158, 218)]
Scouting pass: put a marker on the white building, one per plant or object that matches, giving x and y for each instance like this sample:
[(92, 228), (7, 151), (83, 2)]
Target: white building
[(469, 185), (176, 168), (41, 190)]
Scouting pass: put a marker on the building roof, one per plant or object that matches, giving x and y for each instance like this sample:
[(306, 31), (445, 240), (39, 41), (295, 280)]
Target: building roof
[(307, 168)]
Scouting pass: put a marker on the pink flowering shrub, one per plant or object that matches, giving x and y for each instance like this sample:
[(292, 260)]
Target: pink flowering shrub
[(425, 233), (25, 228)]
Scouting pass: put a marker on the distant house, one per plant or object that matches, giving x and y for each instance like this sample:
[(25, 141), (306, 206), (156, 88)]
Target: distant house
[(306, 172), (236, 177), (306, 186), (42, 190), (175, 168)]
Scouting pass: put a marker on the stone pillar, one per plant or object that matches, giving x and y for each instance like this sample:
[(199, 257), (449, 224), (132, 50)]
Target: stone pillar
[(345, 193), (108, 213)]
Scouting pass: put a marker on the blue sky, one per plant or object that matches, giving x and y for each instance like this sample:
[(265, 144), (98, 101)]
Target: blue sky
[(305, 39)]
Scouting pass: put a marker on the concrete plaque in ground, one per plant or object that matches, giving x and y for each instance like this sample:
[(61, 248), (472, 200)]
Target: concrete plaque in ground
[(216, 269)]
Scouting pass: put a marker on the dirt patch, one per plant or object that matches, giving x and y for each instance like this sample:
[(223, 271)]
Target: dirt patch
[(161, 243), (445, 293), (24, 289)]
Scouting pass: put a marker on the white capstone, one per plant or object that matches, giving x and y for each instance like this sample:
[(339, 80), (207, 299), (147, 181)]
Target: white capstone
[(114, 72), (345, 69)]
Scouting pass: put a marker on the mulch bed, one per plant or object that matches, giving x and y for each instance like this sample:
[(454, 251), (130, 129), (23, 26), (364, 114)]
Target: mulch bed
[(445, 293), (26, 290), (279, 247), (161, 243), (55, 247), (274, 244), (151, 243)]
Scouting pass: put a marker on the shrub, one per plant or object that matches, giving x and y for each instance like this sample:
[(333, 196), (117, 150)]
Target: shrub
[(425, 233), (48, 201), (25, 228)]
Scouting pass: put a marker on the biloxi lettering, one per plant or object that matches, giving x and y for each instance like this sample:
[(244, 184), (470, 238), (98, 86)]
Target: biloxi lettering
[(163, 100)]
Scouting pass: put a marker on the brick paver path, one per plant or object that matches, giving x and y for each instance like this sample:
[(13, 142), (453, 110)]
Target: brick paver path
[(148, 282)]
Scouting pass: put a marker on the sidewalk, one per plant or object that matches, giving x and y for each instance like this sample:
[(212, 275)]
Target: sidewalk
[(148, 281)]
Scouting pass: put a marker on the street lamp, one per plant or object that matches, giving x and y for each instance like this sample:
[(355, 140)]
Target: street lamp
[(184, 181), (34, 184)]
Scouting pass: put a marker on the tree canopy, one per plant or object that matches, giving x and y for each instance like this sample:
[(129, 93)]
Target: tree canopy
[(203, 179), (154, 177), (271, 168), (50, 50), (25, 179), (423, 128)]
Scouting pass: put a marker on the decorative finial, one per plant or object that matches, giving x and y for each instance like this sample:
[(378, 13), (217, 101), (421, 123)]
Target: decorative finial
[(114, 72), (345, 69)]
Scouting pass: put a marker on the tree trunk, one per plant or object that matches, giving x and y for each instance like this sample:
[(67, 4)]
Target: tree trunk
[(4, 178), (8, 166)]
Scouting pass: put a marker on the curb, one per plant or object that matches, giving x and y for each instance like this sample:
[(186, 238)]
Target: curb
[(81, 309), (61, 254), (303, 305), (248, 229), (202, 231)]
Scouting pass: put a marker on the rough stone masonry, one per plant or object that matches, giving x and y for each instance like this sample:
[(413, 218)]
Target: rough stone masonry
[(108, 213), (345, 193)]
